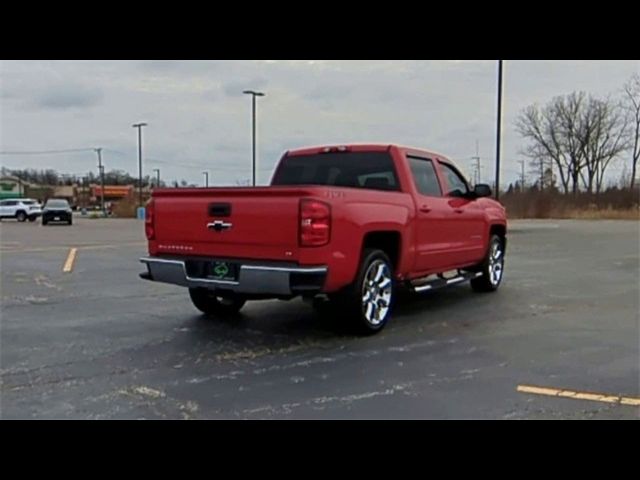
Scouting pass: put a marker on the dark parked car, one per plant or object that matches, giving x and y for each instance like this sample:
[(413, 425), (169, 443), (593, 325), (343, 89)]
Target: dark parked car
[(57, 210)]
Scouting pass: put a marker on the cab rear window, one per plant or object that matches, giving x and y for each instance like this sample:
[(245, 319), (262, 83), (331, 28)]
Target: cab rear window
[(371, 170)]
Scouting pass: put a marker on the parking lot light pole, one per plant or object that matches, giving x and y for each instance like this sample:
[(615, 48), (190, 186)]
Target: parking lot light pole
[(157, 171), (499, 130), (206, 179), (253, 94), (139, 127), (20, 186), (101, 170), (85, 194)]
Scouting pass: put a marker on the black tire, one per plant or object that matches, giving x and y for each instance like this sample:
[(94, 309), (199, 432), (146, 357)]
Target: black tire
[(21, 216), (369, 316), (44, 222), (33, 218), (211, 304), (70, 222), (492, 267)]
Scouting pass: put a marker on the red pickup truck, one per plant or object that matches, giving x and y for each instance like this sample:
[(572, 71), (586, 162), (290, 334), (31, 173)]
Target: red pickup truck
[(348, 224)]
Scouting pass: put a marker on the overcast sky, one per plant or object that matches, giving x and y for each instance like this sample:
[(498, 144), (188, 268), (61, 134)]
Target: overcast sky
[(199, 120)]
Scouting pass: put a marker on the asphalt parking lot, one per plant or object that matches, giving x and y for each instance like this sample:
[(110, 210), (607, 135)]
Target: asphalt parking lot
[(559, 340)]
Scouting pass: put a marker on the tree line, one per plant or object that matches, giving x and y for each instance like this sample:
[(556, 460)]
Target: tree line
[(578, 136), (50, 177)]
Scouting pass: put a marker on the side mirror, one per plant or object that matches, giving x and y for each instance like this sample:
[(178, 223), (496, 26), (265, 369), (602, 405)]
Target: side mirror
[(482, 190)]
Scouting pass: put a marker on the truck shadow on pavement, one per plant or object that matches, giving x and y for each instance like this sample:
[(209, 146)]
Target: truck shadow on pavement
[(284, 330), (295, 320)]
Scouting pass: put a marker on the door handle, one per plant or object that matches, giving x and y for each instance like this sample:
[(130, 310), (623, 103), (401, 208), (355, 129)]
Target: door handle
[(458, 210), (425, 208)]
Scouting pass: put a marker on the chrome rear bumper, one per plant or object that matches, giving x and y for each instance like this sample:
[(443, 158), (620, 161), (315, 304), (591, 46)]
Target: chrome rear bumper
[(253, 278)]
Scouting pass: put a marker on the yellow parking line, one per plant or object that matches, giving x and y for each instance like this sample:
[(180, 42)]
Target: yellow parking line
[(591, 396), (68, 265)]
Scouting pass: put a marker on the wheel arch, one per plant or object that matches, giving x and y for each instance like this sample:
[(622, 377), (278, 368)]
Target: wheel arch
[(500, 230), (389, 241)]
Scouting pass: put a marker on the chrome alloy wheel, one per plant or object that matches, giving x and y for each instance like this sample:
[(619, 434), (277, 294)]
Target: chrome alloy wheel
[(376, 292), (496, 263)]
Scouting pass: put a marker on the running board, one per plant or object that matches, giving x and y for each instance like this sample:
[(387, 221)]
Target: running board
[(441, 281)]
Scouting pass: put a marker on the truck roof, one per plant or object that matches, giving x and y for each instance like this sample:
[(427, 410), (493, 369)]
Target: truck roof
[(362, 147)]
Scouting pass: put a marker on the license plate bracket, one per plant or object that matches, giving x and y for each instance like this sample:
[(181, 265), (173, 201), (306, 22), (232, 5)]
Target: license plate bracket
[(222, 270)]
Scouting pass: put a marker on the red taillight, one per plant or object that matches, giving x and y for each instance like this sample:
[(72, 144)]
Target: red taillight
[(149, 223), (315, 223)]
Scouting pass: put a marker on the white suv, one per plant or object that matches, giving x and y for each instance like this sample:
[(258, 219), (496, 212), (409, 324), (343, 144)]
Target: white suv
[(21, 209)]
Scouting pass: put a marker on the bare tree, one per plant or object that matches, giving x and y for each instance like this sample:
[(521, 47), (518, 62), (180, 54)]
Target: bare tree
[(541, 169), (568, 112), (541, 126), (631, 105), (603, 139), (580, 134)]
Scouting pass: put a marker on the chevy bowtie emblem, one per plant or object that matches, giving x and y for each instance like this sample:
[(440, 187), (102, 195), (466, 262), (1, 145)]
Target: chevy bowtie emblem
[(219, 225)]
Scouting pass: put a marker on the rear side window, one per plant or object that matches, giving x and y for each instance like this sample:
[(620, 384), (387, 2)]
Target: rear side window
[(372, 170), (424, 176)]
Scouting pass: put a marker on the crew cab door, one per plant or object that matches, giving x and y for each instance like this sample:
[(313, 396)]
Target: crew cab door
[(434, 227), (467, 216)]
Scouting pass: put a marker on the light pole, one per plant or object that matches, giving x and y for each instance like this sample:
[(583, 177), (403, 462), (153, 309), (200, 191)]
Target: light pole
[(206, 179), (85, 202), (157, 170), (499, 130), (101, 170), (20, 186), (253, 94), (139, 127)]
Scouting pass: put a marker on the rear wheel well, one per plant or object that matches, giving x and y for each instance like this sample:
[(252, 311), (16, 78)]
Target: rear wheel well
[(387, 241)]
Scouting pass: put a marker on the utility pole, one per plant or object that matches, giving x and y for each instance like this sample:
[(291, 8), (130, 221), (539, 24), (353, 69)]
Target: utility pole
[(521, 162), (253, 94), (542, 174), (476, 169), (101, 171), (84, 192), (139, 127), (478, 166), (157, 171), (499, 130), (206, 179)]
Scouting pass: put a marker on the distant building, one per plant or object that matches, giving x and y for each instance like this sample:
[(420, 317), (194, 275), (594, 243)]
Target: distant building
[(112, 192), (13, 187), (68, 192)]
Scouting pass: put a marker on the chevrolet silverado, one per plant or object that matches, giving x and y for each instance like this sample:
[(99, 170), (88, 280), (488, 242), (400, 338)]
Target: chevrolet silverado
[(347, 226)]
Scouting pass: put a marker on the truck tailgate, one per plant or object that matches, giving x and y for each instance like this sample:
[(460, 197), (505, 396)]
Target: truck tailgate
[(252, 223)]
